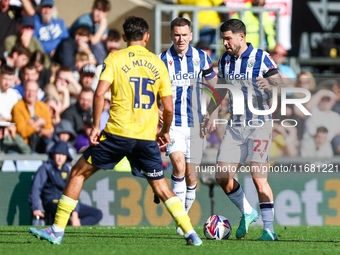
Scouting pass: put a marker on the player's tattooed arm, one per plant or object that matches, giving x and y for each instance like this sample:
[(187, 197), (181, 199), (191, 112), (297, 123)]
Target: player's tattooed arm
[(271, 78)]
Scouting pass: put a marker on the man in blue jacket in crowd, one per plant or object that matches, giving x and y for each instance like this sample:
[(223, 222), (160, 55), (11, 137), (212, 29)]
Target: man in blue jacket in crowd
[(48, 185)]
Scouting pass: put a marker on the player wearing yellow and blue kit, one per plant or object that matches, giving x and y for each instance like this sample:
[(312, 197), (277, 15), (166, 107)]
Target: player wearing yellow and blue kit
[(136, 77)]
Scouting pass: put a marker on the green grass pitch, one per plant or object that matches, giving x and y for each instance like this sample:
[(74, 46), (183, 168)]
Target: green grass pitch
[(163, 240)]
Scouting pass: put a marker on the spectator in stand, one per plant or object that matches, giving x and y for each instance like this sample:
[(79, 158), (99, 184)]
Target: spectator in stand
[(317, 147), (82, 140), (320, 106), (9, 16), (29, 73), (25, 36), (49, 31), (97, 22), (64, 132), (32, 118), (68, 48), (54, 68), (306, 80), (79, 112), (82, 59), (334, 85), (12, 142), (8, 96), (252, 22), (209, 21), (87, 75), (113, 42), (205, 46), (284, 141), (17, 59), (279, 54), (55, 109), (63, 88), (48, 185), (37, 59)]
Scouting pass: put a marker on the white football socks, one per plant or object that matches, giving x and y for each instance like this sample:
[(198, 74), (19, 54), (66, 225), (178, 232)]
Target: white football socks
[(267, 212), (190, 197), (57, 229), (179, 187), (239, 199)]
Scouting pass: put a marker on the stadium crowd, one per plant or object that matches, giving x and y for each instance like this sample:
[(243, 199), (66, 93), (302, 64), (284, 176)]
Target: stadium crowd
[(49, 74)]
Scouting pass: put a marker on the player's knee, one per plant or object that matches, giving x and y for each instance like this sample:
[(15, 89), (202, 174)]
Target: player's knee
[(179, 169)]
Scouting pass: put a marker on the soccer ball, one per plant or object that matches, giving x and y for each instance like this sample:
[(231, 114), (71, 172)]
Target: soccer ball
[(217, 227)]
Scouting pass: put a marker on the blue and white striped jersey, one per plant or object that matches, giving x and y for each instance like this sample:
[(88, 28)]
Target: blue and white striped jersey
[(242, 73), (185, 73)]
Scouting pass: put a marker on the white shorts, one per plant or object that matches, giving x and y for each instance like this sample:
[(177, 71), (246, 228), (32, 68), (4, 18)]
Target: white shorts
[(188, 141), (239, 142)]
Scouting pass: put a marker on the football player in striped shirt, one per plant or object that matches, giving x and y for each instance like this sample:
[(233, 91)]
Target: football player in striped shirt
[(187, 66), (249, 134), (135, 76)]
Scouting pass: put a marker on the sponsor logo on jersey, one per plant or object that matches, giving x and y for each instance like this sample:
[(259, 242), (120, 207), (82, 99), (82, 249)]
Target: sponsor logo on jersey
[(184, 79), (131, 54), (152, 174), (238, 76), (170, 62)]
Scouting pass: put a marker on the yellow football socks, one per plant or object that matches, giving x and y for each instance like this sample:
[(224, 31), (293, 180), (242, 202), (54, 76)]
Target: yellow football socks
[(65, 207), (177, 212)]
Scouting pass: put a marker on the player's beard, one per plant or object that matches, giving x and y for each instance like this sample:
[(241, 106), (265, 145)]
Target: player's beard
[(235, 50), (46, 18)]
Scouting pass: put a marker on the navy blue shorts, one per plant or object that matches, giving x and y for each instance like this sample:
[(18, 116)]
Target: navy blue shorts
[(144, 156)]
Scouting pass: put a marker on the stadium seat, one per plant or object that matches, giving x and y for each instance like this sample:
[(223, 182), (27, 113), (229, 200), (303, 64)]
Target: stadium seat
[(28, 165), (8, 166)]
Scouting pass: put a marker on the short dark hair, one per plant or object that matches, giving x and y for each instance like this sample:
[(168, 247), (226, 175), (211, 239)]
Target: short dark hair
[(86, 89), (5, 69), (180, 22), (83, 30), (135, 28), (113, 35), (63, 69), (29, 66), (20, 49), (233, 25), (322, 130), (103, 5)]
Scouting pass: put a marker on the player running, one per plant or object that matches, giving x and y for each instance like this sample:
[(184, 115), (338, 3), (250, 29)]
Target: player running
[(244, 66), (136, 77), (186, 66)]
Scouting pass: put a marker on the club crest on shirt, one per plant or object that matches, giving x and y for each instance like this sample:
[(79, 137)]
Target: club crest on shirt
[(251, 63), (196, 61), (170, 62), (172, 142), (64, 175), (228, 62)]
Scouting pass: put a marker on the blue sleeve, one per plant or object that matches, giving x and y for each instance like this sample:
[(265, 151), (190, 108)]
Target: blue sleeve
[(39, 180)]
